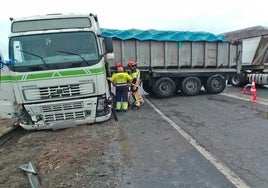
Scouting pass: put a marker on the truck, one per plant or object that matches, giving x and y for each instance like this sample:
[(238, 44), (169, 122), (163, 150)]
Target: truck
[(177, 61), (56, 74), (253, 56)]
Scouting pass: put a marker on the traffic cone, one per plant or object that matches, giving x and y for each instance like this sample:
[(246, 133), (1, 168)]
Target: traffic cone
[(254, 98), (244, 90), (253, 87)]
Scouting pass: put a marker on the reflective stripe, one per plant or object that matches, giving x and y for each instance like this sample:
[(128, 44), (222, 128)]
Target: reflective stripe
[(125, 105), (118, 105), (121, 84)]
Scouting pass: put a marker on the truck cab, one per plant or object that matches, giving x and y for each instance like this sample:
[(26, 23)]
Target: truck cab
[(57, 71)]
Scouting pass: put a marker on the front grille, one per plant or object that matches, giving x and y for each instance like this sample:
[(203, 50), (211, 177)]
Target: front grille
[(59, 91), (62, 107), (64, 111), (64, 116)]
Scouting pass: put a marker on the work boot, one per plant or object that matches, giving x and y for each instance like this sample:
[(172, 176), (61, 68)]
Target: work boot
[(136, 106), (118, 106), (125, 106)]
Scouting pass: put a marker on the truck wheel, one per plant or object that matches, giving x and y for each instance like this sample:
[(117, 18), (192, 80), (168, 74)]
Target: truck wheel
[(164, 87), (215, 84), (238, 81), (146, 87), (191, 86)]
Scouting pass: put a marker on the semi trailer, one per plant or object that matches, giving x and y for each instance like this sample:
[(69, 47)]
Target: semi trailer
[(254, 62), (172, 61), (254, 56)]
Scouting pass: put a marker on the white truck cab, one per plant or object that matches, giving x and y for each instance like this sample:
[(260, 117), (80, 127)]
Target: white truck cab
[(56, 76)]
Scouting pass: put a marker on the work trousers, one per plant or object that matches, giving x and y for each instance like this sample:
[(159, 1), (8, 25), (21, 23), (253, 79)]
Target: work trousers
[(121, 95), (138, 100)]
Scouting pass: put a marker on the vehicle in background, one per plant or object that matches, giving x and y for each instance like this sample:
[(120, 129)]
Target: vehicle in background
[(254, 56), (57, 72), (172, 61)]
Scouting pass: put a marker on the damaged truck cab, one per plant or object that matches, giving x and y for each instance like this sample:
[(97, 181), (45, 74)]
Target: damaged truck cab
[(56, 76)]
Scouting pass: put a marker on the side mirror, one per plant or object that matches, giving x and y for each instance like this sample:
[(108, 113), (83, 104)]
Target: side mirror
[(1, 64), (108, 42)]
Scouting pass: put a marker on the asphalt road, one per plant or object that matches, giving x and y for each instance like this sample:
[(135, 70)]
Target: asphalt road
[(203, 141), (200, 141)]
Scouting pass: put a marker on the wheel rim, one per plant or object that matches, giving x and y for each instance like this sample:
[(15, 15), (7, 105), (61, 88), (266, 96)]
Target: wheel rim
[(165, 87), (216, 83), (191, 86)]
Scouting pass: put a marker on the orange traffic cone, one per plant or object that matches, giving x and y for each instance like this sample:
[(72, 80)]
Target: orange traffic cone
[(254, 98), (244, 90), (253, 87)]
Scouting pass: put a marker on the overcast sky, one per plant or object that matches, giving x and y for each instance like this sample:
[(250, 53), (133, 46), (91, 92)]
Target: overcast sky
[(181, 15)]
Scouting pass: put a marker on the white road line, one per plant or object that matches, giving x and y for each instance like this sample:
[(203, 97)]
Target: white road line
[(260, 101), (231, 176)]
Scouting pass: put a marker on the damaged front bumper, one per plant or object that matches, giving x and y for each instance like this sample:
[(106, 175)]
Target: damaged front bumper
[(65, 114), (56, 125)]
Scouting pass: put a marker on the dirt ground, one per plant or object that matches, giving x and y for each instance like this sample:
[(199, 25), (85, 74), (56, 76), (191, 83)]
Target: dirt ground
[(82, 156)]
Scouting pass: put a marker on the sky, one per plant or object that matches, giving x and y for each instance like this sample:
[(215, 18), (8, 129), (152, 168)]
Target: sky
[(178, 15)]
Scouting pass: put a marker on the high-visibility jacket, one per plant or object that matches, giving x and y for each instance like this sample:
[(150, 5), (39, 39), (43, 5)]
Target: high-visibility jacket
[(121, 78), (135, 74)]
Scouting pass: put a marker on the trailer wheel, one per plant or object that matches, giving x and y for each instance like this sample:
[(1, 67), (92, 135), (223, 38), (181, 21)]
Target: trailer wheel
[(191, 86), (146, 87), (215, 84), (164, 87)]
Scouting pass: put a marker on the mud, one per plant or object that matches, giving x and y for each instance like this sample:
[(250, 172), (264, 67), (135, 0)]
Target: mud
[(82, 156)]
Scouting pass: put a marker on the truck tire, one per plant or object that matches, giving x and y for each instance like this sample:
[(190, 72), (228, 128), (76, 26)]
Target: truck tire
[(238, 80), (215, 84), (191, 86), (164, 87), (146, 87)]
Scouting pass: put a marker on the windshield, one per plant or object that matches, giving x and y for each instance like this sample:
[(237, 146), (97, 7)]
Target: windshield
[(53, 51)]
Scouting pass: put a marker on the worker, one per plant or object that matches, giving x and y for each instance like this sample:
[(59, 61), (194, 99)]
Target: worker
[(135, 74), (118, 64), (121, 80)]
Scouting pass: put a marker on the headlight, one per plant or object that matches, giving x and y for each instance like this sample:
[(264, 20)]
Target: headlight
[(101, 104)]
